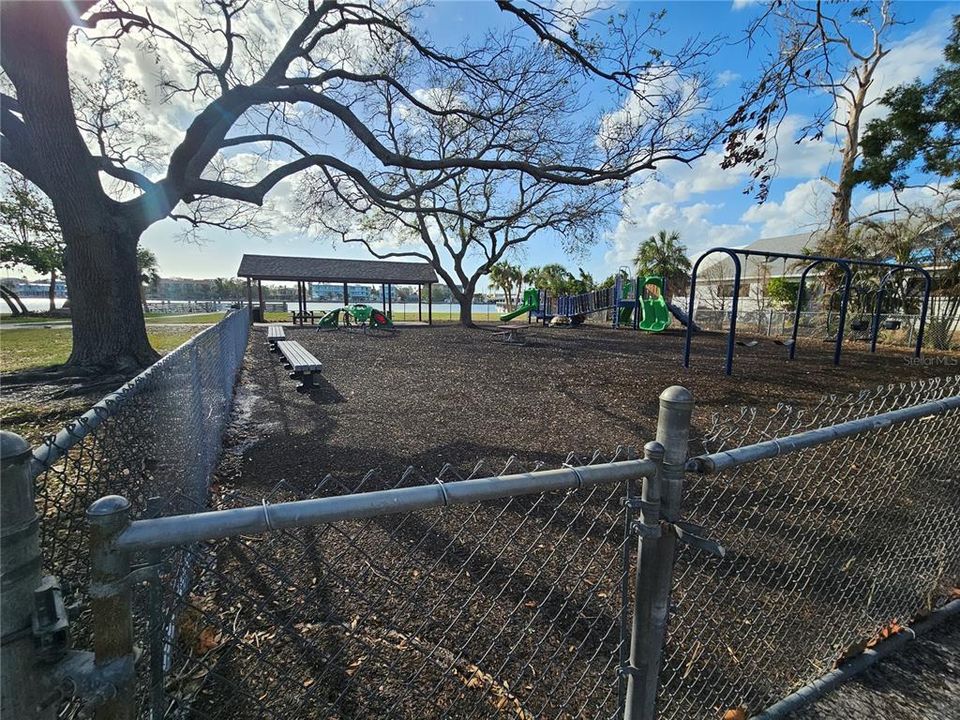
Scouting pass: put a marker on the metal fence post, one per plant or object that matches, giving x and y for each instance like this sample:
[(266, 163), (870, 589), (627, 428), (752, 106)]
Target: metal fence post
[(653, 592), (20, 686), (648, 533), (110, 606)]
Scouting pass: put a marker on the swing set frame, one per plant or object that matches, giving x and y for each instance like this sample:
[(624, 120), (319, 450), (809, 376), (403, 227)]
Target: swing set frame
[(812, 262)]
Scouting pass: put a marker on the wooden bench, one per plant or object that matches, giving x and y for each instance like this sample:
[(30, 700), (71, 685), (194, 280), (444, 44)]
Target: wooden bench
[(299, 360), (275, 333), (512, 333)]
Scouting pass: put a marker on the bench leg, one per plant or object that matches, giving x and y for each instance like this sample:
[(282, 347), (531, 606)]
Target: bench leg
[(306, 382)]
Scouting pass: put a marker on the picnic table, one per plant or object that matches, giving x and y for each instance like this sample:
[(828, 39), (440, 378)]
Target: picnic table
[(515, 334)]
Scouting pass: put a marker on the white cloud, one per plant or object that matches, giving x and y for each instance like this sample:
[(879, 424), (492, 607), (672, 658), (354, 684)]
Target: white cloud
[(693, 222), (572, 12), (742, 4), (803, 208), (725, 77)]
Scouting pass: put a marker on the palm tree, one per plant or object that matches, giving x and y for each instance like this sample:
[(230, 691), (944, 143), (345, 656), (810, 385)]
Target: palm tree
[(663, 254), (555, 279), (506, 277), (149, 270)]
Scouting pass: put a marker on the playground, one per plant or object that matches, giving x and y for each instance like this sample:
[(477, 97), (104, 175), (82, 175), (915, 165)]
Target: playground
[(429, 396)]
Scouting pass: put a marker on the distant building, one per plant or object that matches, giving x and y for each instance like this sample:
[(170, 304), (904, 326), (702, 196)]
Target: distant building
[(183, 289), (36, 288), (715, 277), (333, 292)]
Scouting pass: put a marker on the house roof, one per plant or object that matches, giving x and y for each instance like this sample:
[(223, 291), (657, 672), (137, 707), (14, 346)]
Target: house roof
[(720, 265), (311, 269)]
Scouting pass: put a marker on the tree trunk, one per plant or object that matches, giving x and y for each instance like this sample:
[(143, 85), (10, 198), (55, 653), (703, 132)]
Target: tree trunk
[(100, 256), (17, 308), (53, 290), (108, 326), (466, 309)]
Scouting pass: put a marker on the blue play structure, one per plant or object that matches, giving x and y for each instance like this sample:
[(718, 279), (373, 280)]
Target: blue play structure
[(630, 305)]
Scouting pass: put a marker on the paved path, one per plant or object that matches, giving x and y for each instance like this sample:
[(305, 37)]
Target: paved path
[(921, 682)]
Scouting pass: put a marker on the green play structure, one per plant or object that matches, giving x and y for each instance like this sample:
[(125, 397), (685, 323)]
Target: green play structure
[(655, 316), (531, 302), (360, 315)]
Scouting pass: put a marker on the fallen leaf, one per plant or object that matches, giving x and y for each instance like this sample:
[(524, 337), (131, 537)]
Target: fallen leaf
[(207, 640), (737, 713)]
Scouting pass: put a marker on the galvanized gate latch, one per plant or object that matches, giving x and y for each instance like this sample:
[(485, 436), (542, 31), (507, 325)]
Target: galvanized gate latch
[(51, 621), (694, 535)]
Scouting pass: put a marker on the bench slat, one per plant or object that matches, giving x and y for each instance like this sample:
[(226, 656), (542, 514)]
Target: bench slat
[(298, 356)]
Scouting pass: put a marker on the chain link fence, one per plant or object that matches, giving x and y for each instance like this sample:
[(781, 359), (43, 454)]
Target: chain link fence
[(896, 329), (827, 548), (157, 436), (518, 604), (507, 608)]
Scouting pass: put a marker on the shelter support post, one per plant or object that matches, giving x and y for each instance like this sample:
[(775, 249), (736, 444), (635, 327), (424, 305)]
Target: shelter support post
[(250, 298), (260, 298), (429, 303), (346, 295), (420, 303)]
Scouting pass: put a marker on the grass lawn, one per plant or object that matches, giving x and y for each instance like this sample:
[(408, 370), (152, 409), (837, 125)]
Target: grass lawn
[(197, 318), (29, 348), (7, 319)]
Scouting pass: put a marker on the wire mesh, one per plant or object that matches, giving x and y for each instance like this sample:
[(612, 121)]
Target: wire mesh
[(895, 329), (157, 436), (827, 549), (507, 608)]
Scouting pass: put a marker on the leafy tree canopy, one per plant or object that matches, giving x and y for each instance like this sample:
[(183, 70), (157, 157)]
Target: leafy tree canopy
[(922, 129), (29, 233)]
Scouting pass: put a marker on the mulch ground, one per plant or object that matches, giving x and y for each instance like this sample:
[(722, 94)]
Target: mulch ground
[(424, 397), (503, 609)]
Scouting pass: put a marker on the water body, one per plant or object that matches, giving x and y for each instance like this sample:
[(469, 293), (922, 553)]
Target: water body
[(481, 311)]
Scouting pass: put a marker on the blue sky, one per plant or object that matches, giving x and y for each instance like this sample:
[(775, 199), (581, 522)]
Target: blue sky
[(705, 204)]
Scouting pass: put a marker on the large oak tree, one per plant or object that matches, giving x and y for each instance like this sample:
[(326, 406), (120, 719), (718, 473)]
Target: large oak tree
[(294, 84)]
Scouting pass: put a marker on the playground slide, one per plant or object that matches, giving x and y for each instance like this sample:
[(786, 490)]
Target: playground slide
[(531, 302), (519, 311), (681, 316), (655, 317)]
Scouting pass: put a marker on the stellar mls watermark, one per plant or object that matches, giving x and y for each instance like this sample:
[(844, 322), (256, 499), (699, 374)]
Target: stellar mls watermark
[(931, 361)]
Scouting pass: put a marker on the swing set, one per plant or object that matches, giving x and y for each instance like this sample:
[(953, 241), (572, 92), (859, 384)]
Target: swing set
[(812, 262)]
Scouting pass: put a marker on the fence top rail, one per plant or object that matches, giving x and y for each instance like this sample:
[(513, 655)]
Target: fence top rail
[(717, 462), (196, 527), (49, 452)]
